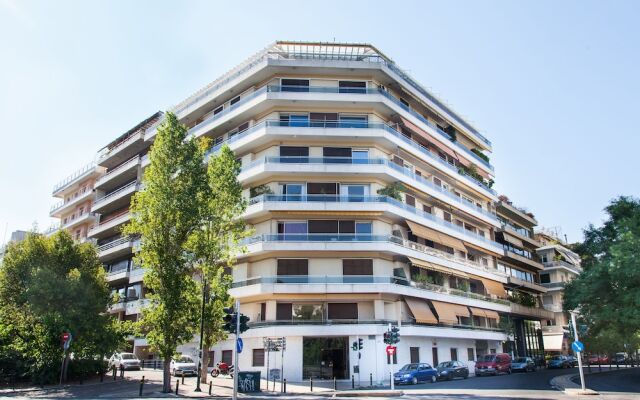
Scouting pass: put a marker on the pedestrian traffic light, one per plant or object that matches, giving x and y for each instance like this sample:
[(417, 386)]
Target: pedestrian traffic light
[(244, 320), (354, 346), (387, 337), (360, 344), (229, 320)]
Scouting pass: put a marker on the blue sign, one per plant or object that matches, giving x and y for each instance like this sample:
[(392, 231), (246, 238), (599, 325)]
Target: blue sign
[(577, 346), (239, 345)]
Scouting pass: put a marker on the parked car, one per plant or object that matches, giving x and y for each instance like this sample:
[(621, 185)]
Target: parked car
[(559, 362), (449, 370), (620, 358), (493, 364), (540, 361), (124, 360), (525, 364), (183, 365), (598, 359), (414, 373), (573, 361)]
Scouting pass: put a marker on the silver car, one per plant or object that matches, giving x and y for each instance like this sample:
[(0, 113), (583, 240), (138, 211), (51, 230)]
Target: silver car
[(124, 360), (183, 365)]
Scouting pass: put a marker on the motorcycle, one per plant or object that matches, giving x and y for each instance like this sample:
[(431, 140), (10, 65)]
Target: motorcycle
[(222, 369)]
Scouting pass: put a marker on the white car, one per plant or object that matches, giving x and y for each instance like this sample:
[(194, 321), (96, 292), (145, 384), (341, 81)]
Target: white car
[(183, 365), (126, 360)]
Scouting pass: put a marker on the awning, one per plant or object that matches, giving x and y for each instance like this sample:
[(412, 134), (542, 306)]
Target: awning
[(437, 268), (442, 147), (493, 287), (480, 312), (421, 311), (492, 314), (435, 236), (448, 313), (481, 249), (513, 240), (552, 342)]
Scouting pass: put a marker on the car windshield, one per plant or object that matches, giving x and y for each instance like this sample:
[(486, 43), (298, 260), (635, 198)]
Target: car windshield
[(184, 359), (128, 356), (557, 358), (409, 367), (488, 357), (521, 360), (447, 364)]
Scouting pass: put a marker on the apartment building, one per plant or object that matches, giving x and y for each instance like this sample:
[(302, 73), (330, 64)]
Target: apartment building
[(16, 237), (371, 203), (561, 265)]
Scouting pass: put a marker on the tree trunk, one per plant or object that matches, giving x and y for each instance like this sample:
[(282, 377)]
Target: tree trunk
[(205, 360), (166, 376), (65, 367)]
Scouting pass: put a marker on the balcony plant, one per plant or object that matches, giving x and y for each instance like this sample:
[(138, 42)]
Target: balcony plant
[(260, 190), (480, 154), (393, 190)]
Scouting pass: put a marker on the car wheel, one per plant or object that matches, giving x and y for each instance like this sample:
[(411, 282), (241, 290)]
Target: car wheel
[(414, 381), (466, 375), (433, 379)]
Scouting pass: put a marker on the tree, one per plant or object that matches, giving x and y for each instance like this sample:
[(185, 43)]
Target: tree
[(51, 285), (607, 293), (217, 244), (165, 213)]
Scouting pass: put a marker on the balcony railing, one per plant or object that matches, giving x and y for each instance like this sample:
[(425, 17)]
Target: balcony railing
[(116, 192), (554, 285), (324, 199), (572, 267), (383, 322), (125, 142), (71, 221), (116, 170), (79, 173), (75, 200), (355, 125), (371, 161), (365, 238), (115, 243)]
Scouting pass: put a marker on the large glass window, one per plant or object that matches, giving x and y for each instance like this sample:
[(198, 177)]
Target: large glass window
[(308, 312), (353, 121), (324, 120), (352, 87), (293, 266), (292, 191), (295, 85), (343, 311), (357, 266), (364, 228), (293, 154), (354, 193)]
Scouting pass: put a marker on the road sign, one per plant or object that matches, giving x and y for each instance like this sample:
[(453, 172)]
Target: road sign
[(66, 336), (239, 345), (577, 346), (391, 350)]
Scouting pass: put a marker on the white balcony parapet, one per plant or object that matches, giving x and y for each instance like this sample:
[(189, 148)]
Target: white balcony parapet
[(112, 222), (132, 186), (56, 208), (120, 168), (82, 172)]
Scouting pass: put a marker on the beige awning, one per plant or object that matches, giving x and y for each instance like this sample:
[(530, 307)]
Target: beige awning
[(435, 236), (482, 249), (436, 267), (478, 312), (513, 240), (421, 311), (417, 130), (492, 314), (448, 313), (493, 287)]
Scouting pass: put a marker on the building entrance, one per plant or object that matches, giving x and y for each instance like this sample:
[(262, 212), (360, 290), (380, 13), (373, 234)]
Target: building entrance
[(325, 358)]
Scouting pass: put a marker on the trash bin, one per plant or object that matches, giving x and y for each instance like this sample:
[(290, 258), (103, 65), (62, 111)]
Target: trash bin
[(249, 381)]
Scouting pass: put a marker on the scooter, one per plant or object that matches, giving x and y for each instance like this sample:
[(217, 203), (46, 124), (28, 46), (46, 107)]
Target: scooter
[(222, 369)]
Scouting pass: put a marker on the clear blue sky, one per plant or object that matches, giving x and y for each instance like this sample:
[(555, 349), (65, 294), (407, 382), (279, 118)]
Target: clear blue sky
[(554, 84)]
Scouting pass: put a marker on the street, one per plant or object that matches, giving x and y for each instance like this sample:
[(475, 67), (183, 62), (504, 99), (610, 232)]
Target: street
[(613, 384)]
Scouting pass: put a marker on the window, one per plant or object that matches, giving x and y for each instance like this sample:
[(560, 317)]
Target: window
[(290, 266), (364, 228), (470, 355), (227, 357), (337, 155), (292, 191), (403, 101), (357, 267), (359, 156), (352, 87), (308, 312), (414, 354), (323, 226), (343, 311), (545, 278), (292, 227), (263, 312), (434, 355), (295, 85), (447, 216), (353, 121), (315, 188), (427, 209), (297, 120), (354, 193), (292, 154), (257, 359), (234, 100), (324, 120), (454, 354), (410, 200), (283, 311), (218, 110)]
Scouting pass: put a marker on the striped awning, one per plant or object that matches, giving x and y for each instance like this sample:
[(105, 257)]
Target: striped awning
[(437, 268), (435, 236), (421, 311)]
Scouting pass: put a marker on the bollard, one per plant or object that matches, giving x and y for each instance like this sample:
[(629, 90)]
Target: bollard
[(210, 383), (284, 387), (114, 372), (335, 385), (311, 384), (141, 385), (599, 367), (390, 378), (177, 385), (274, 383), (589, 366), (121, 371), (353, 382), (101, 376), (617, 365), (371, 379)]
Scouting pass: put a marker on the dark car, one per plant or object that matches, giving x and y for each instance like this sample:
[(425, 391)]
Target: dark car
[(525, 364), (493, 364), (559, 362), (449, 370), (573, 361), (620, 358), (414, 373)]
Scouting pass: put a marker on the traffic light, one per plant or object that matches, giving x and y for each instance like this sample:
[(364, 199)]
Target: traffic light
[(243, 323), (395, 335), (387, 337), (354, 346), (229, 320), (360, 344)]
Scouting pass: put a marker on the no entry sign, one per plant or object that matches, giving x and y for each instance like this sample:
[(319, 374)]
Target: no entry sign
[(391, 350)]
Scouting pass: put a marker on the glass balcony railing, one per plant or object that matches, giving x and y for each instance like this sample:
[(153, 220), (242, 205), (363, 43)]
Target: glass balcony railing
[(371, 161), (314, 198), (356, 125)]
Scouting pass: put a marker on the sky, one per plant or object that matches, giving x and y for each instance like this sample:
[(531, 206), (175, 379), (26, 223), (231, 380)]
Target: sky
[(553, 84)]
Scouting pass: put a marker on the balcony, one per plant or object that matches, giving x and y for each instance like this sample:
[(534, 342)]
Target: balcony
[(374, 166), (118, 274), (117, 248), (123, 151), (563, 264), (553, 307), (116, 199), (57, 210), (535, 312), (368, 130), (136, 274), (110, 226), (392, 207), (517, 282), (367, 242), (117, 307), (136, 306), (554, 285), (520, 233), (76, 220), (118, 176), (517, 213), (62, 187)]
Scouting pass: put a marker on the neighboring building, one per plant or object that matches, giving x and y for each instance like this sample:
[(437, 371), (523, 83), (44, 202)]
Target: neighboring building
[(16, 237), (561, 265), (324, 132)]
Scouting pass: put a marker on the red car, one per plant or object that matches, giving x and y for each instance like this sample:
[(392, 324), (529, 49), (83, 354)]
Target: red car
[(493, 364), (598, 359)]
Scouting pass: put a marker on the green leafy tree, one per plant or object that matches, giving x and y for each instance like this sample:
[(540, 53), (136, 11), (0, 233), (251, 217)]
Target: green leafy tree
[(166, 212), (51, 285), (217, 244), (607, 293)]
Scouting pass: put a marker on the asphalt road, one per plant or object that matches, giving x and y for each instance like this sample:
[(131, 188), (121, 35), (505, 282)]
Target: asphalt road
[(614, 381)]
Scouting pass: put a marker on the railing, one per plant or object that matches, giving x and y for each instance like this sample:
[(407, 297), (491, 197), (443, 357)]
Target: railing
[(366, 238), (370, 161), (521, 231), (118, 270), (72, 221), (383, 322), (357, 125), (115, 243), (115, 192), (120, 167), (63, 203), (553, 307), (124, 143), (572, 267), (322, 198), (112, 218), (554, 285), (534, 311), (82, 171)]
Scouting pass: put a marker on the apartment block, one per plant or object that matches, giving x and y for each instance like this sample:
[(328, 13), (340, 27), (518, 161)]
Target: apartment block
[(371, 203)]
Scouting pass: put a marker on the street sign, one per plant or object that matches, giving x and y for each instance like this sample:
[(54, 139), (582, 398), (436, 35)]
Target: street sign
[(577, 346), (239, 345), (66, 336), (391, 350)]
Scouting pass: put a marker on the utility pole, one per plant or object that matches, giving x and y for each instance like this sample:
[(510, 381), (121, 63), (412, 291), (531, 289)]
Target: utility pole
[(575, 337), (236, 368)]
